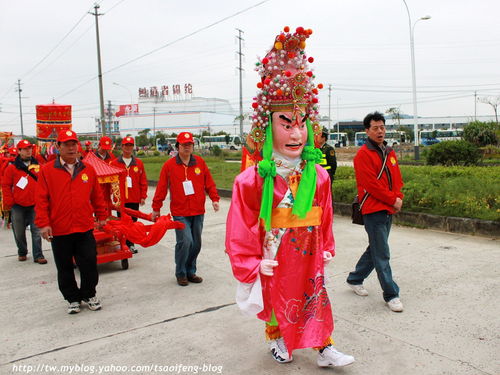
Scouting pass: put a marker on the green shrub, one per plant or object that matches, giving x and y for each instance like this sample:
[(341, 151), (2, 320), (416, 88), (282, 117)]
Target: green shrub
[(140, 153), (216, 151), (481, 133), (449, 191), (156, 153), (453, 153)]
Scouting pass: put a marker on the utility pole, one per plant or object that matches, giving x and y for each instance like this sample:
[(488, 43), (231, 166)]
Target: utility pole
[(475, 105), (101, 96), (338, 118), (19, 90), (329, 108), (240, 68), (110, 117)]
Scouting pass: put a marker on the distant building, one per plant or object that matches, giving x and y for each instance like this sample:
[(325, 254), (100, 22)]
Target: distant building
[(192, 114)]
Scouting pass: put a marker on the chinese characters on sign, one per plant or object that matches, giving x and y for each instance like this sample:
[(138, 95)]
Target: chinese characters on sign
[(172, 92)]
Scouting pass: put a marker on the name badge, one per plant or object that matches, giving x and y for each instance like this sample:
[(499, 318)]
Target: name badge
[(129, 181), (21, 184), (188, 187)]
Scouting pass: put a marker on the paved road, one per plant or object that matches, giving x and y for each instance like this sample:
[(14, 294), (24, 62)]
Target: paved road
[(449, 285)]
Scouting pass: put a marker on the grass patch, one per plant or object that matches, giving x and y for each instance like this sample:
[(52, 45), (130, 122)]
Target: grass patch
[(472, 192), (222, 172)]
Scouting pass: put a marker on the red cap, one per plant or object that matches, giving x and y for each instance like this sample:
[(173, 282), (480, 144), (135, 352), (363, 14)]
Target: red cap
[(128, 140), (67, 135), (88, 143), (105, 143), (12, 150), (23, 144), (185, 137)]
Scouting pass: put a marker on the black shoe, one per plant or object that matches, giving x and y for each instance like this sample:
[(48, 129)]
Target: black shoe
[(195, 279)]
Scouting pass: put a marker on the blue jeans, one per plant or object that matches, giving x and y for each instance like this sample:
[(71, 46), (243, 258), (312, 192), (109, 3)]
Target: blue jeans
[(188, 244), (22, 217), (377, 255)]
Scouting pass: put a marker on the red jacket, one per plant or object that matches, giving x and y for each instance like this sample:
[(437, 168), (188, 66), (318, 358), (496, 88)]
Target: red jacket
[(136, 172), (67, 203), (173, 174), (41, 159), (383, 192), (12, 193)]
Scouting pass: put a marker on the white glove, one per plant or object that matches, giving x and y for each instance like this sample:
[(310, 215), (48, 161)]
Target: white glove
[(327, 257), (266, 266)]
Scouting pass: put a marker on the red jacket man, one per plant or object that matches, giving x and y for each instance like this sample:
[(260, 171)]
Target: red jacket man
[(104, 150), (67, 196), (18, 191), (384, 199), (136, 186), (189, 179)]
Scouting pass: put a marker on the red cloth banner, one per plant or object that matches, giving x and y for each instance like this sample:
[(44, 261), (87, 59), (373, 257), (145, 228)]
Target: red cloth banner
[(50, 132), (52, 119), (53, 112), (144, 235)]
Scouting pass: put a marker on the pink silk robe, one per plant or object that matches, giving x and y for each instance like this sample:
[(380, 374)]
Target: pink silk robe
[(296, 292)]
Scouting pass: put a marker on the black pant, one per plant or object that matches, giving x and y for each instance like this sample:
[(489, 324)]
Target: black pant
[(82, 247), (133, 206)]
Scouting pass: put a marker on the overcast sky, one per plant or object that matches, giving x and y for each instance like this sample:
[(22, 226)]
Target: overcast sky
[(361, 48)]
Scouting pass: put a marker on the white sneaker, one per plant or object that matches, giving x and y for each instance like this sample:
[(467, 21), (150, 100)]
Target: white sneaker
[(395, 305), (359, 289), (279, 351), (93, 303), (331, 357), (74, 308)]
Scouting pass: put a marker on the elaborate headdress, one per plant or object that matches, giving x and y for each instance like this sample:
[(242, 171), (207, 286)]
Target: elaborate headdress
[(286, 86)]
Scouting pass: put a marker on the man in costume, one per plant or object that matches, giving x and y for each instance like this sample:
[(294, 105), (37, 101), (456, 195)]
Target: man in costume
[(18, 188), (136, 186), (278, 234)]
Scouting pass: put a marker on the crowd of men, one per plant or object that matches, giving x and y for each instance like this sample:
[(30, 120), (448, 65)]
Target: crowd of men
[(39, 192)]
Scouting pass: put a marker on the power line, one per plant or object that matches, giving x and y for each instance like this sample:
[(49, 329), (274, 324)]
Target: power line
[(168, 45), (58, 44)]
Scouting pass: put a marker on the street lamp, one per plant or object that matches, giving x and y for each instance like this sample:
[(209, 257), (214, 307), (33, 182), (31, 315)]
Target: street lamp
[(131, 100), (414, 79), (126, 88)]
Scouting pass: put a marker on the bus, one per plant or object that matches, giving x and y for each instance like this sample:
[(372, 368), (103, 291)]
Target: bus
[(163, 146), (338, 140), (395, 137), (231, 142), (392, 137), (430, 137), (360, 138)]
